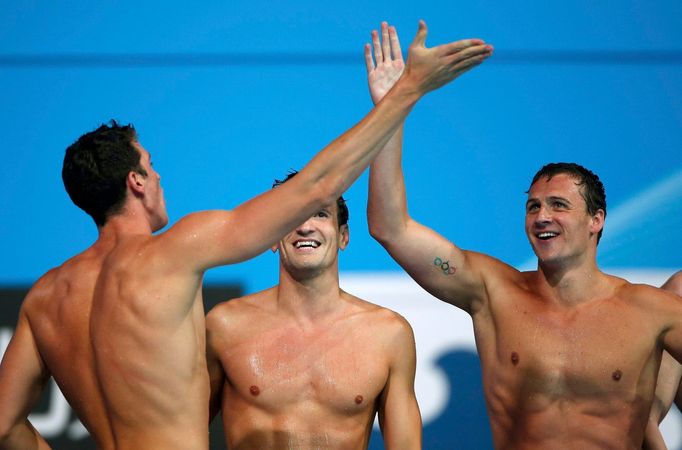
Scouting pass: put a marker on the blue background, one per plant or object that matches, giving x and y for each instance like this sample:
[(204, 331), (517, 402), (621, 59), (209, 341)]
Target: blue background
[(229, 95)]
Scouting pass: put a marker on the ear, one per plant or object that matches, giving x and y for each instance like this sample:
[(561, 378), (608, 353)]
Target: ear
[(344, 233), (136, 182), (597, 222)]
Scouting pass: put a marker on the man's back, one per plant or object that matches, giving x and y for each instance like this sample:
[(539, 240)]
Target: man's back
[(56, 313), (149, 345), (109, 325)]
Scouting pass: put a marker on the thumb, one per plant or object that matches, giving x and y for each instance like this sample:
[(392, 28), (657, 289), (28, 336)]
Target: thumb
[(420, 38)]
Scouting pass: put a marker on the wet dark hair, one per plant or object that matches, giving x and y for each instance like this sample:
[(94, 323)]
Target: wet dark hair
[(592, 189), (96, 166), (342, 209)]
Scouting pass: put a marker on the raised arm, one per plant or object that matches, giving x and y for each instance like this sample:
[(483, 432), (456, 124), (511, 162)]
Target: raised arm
[(22, 379), (435, 263), (399, 417), (215, 238), (667, 385)]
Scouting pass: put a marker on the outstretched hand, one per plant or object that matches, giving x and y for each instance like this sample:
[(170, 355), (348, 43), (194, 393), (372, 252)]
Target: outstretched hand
[(387, 65), (431, 68)]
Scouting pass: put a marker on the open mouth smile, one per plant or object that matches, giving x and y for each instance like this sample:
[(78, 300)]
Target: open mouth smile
[(546, 235), (306, 244)]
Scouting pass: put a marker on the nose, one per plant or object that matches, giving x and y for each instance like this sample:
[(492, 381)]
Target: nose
[(305, 228), (544, 215)]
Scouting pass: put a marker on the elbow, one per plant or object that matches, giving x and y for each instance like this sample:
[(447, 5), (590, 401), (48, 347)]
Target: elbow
[(380, 231), (376, 231)]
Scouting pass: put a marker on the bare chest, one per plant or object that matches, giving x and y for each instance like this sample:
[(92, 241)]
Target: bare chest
[(287, 368), (605, 350)]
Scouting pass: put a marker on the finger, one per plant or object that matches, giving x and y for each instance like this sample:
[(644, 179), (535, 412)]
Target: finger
[(470, 52), (420, 37), (368, 58), (468, 64), (378, 56), (458, 46), (395, 44), (385, 42)]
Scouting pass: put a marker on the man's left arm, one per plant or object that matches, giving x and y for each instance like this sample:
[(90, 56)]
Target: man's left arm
[(216, 373), (399, 416), (667, 385), (23, 376)]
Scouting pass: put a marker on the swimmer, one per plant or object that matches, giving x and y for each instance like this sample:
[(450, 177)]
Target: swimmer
[(569, 354), (307, 365), (667, 386), (121, 327)]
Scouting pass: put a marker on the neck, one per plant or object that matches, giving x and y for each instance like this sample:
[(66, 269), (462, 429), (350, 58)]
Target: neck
[(123, 224), (311, 296), (570, 284)]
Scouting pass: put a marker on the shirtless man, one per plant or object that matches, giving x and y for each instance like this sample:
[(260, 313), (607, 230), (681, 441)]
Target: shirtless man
[(306, 365), (667, 386), (120, 326), (569, 354)]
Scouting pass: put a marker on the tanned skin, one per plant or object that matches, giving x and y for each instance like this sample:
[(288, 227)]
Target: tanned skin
[(121, 327), (667, 386), (569, 354), (304, 364)]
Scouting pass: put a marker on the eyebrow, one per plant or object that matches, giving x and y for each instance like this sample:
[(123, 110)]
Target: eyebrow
[(563, 199), (551, 199)]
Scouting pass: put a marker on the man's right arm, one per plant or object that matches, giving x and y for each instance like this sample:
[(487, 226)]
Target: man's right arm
[(215, 238), (435, 263), (22, 379)]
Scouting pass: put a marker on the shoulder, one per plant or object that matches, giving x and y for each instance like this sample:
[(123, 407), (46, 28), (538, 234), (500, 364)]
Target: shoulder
[(42, 289), (383, 321), (647, 296), (232, 312), (494, 270), (674, 283)]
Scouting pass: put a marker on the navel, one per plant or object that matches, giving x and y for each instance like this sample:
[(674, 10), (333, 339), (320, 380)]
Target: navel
[(515, 358), (617, 375), (254, 390), (358, 399)]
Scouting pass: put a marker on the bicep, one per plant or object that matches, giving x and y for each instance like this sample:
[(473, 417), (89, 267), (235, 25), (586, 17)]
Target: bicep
[(399, 414), (213, 238), (443, 269)]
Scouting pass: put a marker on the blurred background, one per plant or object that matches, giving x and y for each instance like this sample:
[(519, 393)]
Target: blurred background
[(229, 95)]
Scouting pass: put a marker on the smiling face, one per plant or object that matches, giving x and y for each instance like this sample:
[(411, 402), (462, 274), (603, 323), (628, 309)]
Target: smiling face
[(558, 225), (313, 246)]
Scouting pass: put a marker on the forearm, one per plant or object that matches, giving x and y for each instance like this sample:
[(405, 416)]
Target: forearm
[(334, 169), (387, 203)]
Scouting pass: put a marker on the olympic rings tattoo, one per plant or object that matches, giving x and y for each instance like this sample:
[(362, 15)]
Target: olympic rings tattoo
[(444, 266)]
